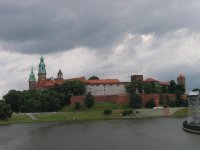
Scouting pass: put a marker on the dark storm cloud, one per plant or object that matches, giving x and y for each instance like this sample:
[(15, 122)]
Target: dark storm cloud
[(31, 26)]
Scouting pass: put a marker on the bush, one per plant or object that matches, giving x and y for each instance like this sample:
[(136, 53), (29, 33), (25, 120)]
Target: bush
[(171, 102), (89, 100), (150, 103), (107, 111), (5, 110), (127, 112), (135, 101), (77, 106)]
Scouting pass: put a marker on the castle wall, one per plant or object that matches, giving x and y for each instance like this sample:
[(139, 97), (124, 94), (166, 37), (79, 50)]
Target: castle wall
[(106, 89), (121, 99), (117, 99)]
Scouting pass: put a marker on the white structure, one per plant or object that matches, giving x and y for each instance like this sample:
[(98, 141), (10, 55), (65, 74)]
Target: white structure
[(194, 107), (106, 87)]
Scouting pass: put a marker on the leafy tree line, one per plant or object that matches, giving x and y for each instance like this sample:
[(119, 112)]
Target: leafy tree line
[(5, 110), (46, 100), (136, 88), (154, 87)]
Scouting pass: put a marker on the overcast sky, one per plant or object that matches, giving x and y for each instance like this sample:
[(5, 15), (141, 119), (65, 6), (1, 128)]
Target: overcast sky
[(107, 38)]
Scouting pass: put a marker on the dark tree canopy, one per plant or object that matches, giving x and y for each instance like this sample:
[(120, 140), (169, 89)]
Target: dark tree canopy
[(93, 78), (172, 87), (134, 87), (135, 101), (46, 100), (5, 110), (89, 100), (196, 89), (13, 98), (150, 103)]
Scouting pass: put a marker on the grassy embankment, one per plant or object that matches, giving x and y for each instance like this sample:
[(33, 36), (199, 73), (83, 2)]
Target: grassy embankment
[(17, 118), (68, 113), (181, 113)]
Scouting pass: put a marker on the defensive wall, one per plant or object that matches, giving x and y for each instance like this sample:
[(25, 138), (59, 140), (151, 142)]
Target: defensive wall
[(122, 99)]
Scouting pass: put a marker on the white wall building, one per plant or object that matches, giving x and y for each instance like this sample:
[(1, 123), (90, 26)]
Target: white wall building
[(106, 87)]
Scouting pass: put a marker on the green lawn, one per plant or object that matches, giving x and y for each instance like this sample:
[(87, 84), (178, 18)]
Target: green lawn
[(79, 115), (100, 106), (68, 113), (181, 113), (17, 118)]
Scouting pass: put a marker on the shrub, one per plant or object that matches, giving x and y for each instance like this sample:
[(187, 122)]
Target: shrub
[(77, 106), (171, 102), (107, 111), (89, 100), (130, 111), (114, 107), (150, 103), (127, 112), (124, 113), (135, 101)]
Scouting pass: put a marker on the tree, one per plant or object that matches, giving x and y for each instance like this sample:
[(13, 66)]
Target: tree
[(135, 101), (172, 87), (179, 99), (148, 88), (5, 110), (13, 98), (89, 100), (72, 88), (134, 86), (93, 78), (150, 103), (180, 88), (45, 100), (195, 89)]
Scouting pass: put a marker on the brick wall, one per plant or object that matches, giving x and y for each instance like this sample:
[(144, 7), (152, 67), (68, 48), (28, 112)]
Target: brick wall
[(117, 99), (156, 97), (121, 99), (147, 97)]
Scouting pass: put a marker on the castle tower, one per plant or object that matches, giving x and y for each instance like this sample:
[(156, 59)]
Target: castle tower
[(32, 80), (60, 75), (181, 80), (42, 70)]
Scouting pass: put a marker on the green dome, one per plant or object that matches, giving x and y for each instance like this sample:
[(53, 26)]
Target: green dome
[(32, 76), (42, 69)]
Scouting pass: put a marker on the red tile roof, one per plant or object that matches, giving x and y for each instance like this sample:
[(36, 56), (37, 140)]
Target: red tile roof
[(164, 83), (103, 81), (49, 83), (52, 83), (181, 76), (151, 80), (154, 80), (79, 79)]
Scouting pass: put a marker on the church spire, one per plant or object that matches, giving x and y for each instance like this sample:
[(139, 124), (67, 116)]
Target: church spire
[(60, 75), (32, 80), (42, 70)]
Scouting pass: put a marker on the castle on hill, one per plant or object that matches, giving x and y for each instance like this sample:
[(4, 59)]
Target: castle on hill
[(103, 89)]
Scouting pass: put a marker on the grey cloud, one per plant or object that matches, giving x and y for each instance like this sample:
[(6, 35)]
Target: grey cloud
[(50, 26)]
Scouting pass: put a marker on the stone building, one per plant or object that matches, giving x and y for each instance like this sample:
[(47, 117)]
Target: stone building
[(105, 87), (108, 90), (181, 80), (136, 78), (95, 87), (32, 80)]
